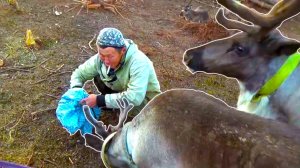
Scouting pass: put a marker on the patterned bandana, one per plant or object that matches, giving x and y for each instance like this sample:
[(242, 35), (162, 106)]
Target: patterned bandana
[(111, 37)]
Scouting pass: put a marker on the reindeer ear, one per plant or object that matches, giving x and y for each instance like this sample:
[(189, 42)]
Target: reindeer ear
[(93, 142), (286, 46)]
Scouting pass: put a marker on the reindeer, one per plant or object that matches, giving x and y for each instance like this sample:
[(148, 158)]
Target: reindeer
[(185, 128), (198, 14), (194, 15), (253, 56)]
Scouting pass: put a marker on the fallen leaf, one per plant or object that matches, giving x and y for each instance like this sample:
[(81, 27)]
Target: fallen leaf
[(29, 38)]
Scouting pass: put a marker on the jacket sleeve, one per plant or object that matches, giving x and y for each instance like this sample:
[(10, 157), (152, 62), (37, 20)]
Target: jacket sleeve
[(85, 71), (136, 88)]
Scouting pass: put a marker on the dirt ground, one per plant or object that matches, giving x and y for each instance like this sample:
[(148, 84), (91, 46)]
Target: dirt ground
[(32, 80)]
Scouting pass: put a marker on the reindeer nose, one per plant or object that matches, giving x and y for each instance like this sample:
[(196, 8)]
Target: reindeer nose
[(193, 60), (187, 57)]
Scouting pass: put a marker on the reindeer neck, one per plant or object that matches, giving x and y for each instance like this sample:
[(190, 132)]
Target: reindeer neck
[(252, 84), (118, 151)]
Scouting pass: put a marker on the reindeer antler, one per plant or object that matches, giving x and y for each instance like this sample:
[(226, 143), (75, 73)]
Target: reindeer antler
[(233, 24), (100, 128), (125, 107), (280, 11)]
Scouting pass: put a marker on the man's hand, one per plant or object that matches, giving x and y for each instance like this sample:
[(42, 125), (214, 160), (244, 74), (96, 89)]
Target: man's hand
[(91, 100)]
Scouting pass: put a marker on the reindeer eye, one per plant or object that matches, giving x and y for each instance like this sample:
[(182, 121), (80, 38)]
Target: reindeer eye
[(241, 51)]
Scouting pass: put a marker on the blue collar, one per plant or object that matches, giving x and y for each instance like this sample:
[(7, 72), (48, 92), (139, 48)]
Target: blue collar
[(128, 147)]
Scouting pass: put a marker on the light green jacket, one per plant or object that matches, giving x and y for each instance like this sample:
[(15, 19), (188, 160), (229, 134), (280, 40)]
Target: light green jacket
[(136, 79)]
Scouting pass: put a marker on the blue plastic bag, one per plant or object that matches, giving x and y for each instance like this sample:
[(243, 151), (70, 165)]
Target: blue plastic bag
[(5, 164), (70, 114)]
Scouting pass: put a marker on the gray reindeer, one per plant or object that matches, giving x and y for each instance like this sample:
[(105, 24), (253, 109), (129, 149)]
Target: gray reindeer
[(254, 56), (198, 14), (186, 129)]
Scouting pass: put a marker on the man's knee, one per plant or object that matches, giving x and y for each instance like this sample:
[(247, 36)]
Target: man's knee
[(137, 109)]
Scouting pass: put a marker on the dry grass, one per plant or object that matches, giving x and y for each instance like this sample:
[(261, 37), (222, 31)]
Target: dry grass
[(204, 31)]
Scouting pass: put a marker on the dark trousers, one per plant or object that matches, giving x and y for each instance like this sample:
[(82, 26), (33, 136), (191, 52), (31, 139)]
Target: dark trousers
[(102, 88)]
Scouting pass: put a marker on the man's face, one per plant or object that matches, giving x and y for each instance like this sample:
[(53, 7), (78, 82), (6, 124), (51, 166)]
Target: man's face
[(111, 56)]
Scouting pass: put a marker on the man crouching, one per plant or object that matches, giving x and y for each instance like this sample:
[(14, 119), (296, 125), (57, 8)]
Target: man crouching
[(119, 69)]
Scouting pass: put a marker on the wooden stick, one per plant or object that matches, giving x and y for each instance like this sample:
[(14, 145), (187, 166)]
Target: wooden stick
[(82, 6), (49, 161), (18, 121), (26, 94), (49, 70), (53, 71), (61, 73), (14, 69), (41, 111), (30, 161), (23, 68), (91, 42), (71, 161), (55, 97), (43, 62), (85, 51), (72, 8), (20, 67), (51, 74), (7, 124), (39, 81)]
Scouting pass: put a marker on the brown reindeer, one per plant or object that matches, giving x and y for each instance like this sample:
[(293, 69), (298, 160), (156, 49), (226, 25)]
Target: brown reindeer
[(185, 128), (253, 56)]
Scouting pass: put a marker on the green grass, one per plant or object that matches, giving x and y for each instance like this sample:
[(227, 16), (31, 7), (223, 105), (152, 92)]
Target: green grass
[(17, 53), (218, 86)]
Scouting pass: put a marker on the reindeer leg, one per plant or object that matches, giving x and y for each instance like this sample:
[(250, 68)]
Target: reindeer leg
[(125, 107)]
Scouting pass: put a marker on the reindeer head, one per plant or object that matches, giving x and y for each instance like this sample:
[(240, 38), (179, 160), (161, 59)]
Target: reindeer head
[(248, 52)]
